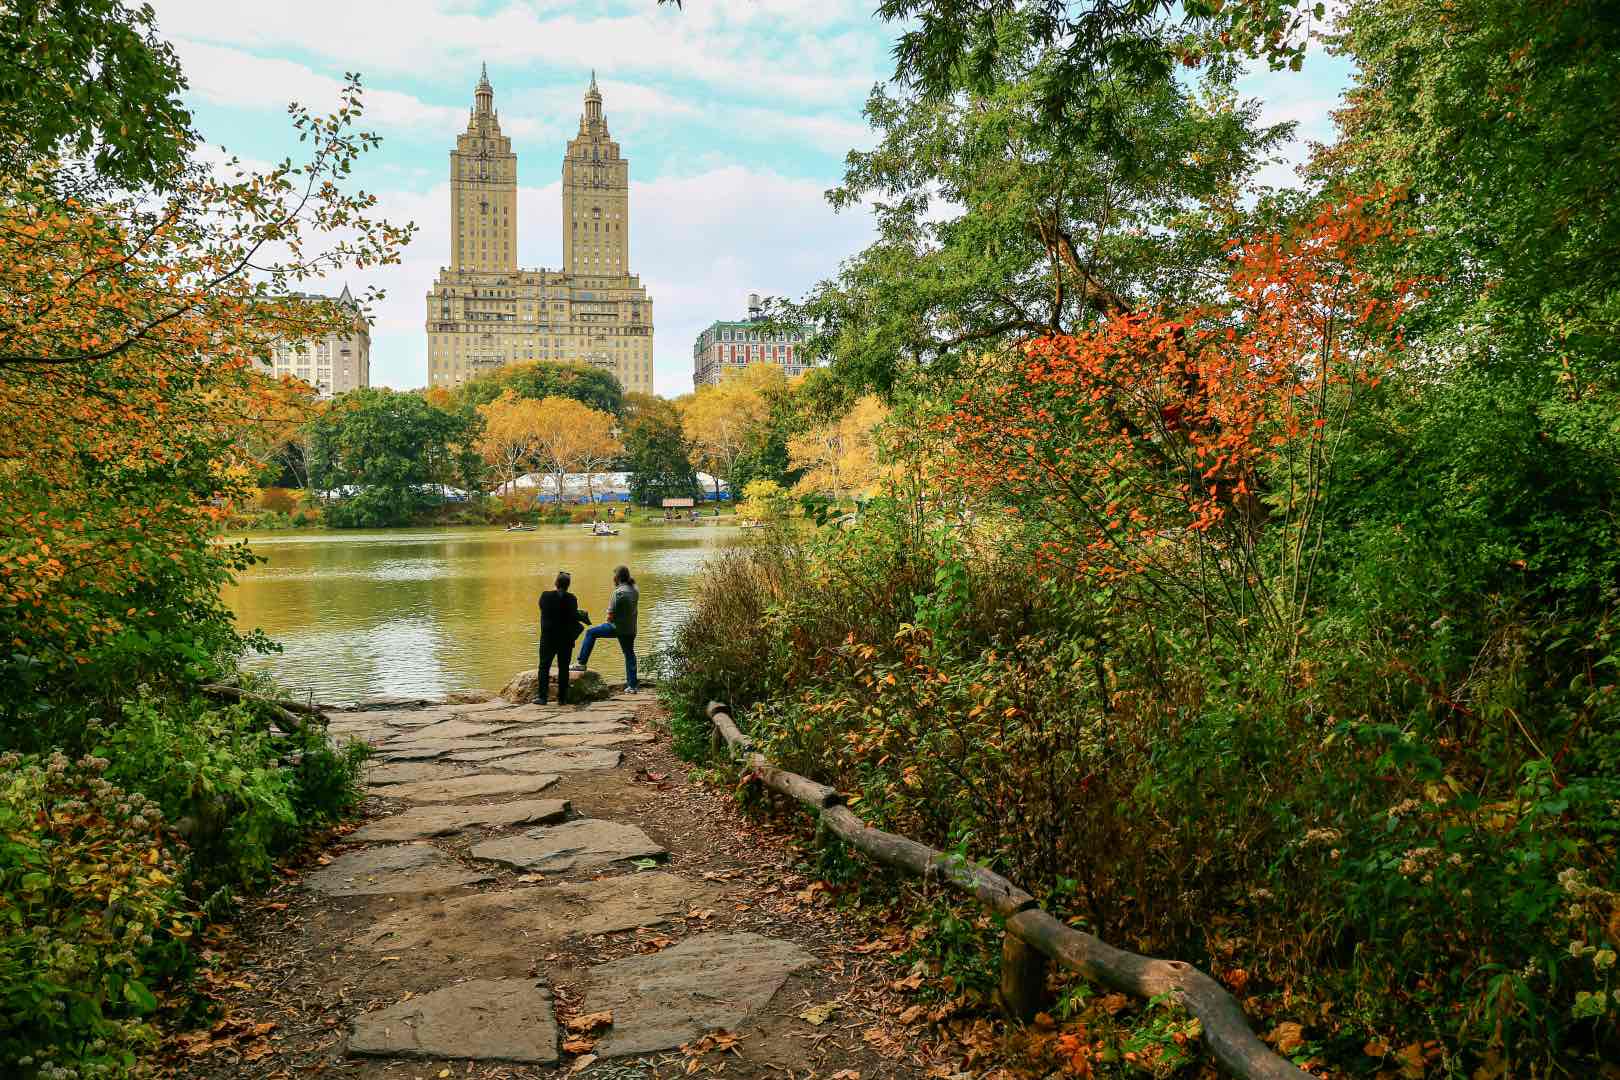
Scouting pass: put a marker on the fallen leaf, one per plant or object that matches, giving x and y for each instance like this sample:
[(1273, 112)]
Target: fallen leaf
[(1287, 1037), (1410, 1058), (819, 1014), (584, 1063), (845, 1074), (591, 1021)]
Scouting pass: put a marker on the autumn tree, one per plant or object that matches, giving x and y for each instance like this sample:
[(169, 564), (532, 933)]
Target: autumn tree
[(839, 456), (571, 437), (511, 426), (136, 323), (1189, 456), (723, 421)]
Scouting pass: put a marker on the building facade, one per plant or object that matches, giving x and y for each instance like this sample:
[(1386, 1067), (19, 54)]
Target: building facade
[(333, 364), (485, 311), (727, 346)]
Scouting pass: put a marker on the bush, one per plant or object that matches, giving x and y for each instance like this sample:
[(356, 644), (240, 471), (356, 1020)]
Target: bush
[(1446, 884), (105, 864), (277, 499), (96, 917), (239, 793)]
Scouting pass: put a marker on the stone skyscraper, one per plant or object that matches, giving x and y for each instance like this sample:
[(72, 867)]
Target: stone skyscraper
[(484, 311)]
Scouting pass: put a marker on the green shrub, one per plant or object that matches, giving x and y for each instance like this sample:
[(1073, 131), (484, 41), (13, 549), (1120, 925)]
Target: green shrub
[(93, 917), (240, 793), (1422, 871)]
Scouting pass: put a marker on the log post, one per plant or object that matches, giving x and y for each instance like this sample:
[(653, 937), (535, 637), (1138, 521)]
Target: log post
[(1023, 978)]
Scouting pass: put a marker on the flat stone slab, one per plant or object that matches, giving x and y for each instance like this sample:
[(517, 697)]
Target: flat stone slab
[(618, 738), (382, 776), (575, 845), (479, 1020), (556, 761), (479, 708), (451, 730), (520, 714), (488, 754), (422, 822), (499, 923), (418, 752), (474, 786), (706, 983), (406, 743), (564, 727), (616, 713), (408, 718), (401, 868)]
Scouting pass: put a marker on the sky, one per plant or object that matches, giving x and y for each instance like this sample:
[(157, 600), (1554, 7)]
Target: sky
[(735, 115)]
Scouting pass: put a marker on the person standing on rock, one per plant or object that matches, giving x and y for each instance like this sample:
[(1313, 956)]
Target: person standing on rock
[(560, 623), (621, 624)]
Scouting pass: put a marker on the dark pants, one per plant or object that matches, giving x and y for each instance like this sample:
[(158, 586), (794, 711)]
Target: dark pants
[(626, 644), (558, 650)]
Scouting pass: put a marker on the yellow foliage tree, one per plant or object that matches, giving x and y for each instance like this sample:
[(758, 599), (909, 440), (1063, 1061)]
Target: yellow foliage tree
[(571, 437), (512, 429), (840, 457), (722, 421)]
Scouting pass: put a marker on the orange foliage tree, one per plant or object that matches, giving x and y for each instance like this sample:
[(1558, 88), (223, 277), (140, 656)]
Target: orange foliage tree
[(132, 331), (1190, 452)]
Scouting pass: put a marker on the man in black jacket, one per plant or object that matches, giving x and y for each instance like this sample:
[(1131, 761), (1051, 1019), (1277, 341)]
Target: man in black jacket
[(560, 624)]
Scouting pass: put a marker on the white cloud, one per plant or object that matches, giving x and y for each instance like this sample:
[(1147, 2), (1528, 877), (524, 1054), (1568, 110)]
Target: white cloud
[(231, 77), (817, 51)]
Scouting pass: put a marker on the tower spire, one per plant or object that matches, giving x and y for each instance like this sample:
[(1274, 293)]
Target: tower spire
[(593, 105), (483, 94)]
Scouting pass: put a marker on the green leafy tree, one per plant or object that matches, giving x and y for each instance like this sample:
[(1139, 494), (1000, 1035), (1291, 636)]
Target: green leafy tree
[(995, 227), (539, 379), (90, 82), (394, 449), (659, 461)]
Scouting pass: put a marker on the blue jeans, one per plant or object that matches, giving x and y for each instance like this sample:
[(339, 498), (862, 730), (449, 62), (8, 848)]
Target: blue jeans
[(627, 644)]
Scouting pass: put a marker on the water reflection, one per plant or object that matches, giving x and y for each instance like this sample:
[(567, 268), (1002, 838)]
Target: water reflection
[(434, 610)]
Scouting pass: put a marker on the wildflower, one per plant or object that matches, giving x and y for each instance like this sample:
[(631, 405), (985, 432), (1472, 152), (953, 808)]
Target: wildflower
[(1604, 960)]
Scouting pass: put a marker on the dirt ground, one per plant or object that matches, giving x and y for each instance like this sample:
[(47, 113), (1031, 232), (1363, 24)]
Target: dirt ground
[(291, 975)]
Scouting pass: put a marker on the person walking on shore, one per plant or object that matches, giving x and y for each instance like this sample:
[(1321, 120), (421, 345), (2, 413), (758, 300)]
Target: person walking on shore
[(560, 622), (621, 624)]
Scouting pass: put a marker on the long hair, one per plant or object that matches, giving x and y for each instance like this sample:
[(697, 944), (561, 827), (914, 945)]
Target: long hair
[(621, 576)]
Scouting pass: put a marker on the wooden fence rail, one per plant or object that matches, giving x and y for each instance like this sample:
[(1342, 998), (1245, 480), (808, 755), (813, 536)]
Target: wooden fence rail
[(1033, 939)]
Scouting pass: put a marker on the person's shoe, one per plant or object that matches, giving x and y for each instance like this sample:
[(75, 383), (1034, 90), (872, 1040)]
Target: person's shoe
[(576, 667), (632, 689)]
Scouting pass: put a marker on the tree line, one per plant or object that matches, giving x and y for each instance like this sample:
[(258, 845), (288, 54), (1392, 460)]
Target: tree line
[(377, 457)]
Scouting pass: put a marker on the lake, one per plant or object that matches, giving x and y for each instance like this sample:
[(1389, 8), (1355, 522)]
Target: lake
[(428, 611)]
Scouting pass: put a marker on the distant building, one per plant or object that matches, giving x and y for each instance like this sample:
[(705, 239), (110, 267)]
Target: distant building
[(486, 311), (333, 364), (727, 346)]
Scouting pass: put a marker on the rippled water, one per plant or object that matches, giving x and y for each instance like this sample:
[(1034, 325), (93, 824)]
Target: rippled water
[(428, 611)]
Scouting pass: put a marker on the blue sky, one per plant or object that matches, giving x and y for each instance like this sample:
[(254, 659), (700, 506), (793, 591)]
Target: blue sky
[(735, 116)]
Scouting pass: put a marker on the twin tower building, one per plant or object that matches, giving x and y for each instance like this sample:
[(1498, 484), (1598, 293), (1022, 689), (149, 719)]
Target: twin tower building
[(485, 311)]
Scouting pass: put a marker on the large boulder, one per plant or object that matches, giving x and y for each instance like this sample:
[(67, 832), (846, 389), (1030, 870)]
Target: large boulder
[(582, 686)]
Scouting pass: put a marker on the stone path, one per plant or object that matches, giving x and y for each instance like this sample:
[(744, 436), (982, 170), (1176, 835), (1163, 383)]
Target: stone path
[(523, 901)]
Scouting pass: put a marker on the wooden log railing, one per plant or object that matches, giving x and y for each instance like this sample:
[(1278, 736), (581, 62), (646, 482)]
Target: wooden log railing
[(1033, 938)]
